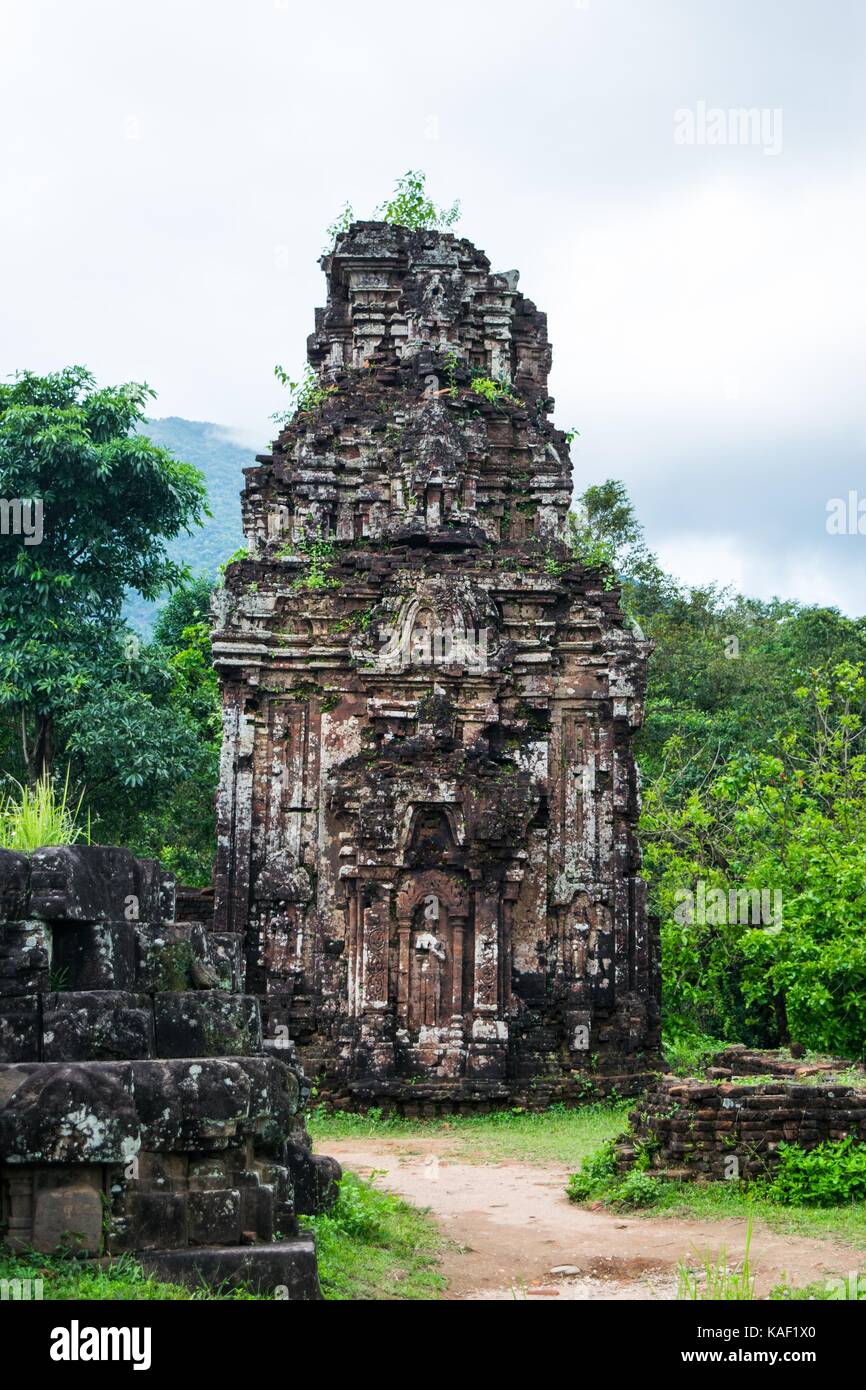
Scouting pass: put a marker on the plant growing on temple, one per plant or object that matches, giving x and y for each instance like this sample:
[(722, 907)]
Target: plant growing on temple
[(305, 395), (341, 223), (110, 500), (494, 391), (411, 207), (319, 553)]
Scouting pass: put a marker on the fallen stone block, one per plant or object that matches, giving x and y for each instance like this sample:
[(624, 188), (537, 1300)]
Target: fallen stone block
[(284, 1269)]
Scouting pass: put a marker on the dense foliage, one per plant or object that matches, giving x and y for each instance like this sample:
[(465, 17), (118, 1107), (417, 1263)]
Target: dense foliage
[(109, 499), (754, 783), (121, 721)]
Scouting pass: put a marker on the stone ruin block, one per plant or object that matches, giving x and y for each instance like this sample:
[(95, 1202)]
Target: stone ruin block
[(25, 958), (20, 1028), (207, 1024), (97, 1026), (428, 799), (138, 1109), (14, 885)]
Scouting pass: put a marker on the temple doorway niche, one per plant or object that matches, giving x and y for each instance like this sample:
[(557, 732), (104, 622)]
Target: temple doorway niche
[(433, 946), (433, 839)]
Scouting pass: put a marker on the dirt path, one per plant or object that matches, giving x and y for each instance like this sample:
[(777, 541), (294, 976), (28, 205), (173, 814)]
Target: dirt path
[(513, 1233)]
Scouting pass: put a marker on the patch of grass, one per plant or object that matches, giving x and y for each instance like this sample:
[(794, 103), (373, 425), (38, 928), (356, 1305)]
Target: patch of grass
[(718, 1280), (716, 1201), (375, 1246), (555, 1135), (845, 1286), (123, 1281), (688, 1053)]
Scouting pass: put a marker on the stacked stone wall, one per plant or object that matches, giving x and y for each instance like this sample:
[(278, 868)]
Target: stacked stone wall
[(139, 1108), (727, 1126)]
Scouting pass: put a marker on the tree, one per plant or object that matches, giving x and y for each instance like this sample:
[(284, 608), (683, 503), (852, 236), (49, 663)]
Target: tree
[(178, 826), (140, 729), (788, 821), (604, 532), (109, 499)]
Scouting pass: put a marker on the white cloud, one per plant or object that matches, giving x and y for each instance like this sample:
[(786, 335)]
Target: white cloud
[(706, 305)]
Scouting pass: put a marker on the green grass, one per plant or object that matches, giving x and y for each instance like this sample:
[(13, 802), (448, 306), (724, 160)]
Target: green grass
[(39, 815), (718, 1279), (555, 1135), (374, 1246), (845, 1222), (371, 1246), (688, 1053), (713, 1201), (124, 1281)]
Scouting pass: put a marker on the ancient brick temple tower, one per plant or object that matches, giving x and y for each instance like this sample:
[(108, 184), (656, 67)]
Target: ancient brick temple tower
[(428, 795)]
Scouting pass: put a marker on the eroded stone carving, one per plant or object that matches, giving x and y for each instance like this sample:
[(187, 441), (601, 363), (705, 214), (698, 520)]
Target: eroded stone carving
[(139, 1110)]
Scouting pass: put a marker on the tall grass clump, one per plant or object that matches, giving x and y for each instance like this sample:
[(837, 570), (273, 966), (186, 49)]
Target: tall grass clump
[(40, 815), (718, 1280)]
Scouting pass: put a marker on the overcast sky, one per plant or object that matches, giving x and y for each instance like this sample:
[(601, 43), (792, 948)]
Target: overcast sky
[(169, 167)]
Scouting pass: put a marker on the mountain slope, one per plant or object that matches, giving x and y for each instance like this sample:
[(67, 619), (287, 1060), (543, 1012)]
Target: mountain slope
[(221, 459)]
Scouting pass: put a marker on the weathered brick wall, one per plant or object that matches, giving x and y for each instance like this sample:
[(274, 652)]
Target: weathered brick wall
[(726, 1127)]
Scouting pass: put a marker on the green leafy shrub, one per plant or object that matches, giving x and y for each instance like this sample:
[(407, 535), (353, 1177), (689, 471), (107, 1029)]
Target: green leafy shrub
[(598, 1178), (826, 1176), (493, 391), (411, 207), (596, 1172), (637, 1189), (305, 396)]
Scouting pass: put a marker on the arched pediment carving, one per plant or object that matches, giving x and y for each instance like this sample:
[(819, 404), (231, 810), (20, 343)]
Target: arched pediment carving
[(443, 621), (451, 894)]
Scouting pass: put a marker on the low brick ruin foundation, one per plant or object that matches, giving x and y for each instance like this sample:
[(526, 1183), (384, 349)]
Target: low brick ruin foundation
[(428, 797), (139, 1110), (726, 1126)]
